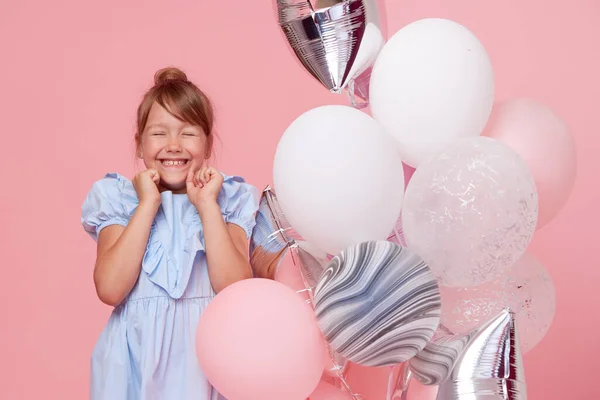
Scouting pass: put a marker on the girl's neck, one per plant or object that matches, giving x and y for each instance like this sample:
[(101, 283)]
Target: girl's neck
[(162, 189)]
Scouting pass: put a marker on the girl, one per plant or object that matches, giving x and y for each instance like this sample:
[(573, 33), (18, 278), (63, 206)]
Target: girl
[(168, 241)]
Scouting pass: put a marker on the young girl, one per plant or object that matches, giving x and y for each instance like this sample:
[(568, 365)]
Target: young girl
[(167, 242)]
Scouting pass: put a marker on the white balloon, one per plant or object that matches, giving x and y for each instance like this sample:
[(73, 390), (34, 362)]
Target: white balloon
[(338, 178), (432, 83)]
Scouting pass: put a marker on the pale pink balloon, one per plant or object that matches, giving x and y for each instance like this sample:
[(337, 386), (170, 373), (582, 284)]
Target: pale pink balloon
[(258, 340), (326, 391), (289, 274), (542, 139)]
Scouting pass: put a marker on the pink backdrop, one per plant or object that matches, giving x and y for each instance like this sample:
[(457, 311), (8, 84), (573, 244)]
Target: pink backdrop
[(72, 73)]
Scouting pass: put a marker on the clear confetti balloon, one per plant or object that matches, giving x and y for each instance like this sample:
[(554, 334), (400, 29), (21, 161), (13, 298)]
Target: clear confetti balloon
[(470, 211), (527, 289)]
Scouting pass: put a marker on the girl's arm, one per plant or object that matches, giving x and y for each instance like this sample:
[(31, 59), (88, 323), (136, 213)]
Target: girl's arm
[(226, 247), (120, 253)]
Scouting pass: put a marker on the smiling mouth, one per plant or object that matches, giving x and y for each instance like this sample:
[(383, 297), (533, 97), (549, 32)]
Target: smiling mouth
[(174, 163)]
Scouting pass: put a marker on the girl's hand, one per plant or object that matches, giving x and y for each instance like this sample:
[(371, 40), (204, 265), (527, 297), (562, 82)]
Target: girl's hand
[(203, 186), (146, 187)]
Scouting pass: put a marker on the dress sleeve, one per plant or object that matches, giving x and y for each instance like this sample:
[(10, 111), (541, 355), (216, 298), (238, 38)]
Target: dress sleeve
[(104, 205), (239, 203)]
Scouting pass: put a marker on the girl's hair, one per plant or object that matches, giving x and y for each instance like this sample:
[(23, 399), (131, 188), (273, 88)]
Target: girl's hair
[(180, 97)]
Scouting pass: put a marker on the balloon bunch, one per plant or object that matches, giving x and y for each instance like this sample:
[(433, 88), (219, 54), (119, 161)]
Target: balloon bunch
[(431, 276)]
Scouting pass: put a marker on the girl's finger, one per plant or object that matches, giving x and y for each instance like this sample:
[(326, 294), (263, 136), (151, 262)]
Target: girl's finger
[(202, 176), (198, 179)]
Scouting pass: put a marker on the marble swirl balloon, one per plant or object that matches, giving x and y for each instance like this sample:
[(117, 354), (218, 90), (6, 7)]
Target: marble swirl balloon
[(377, 304), (435, 362)]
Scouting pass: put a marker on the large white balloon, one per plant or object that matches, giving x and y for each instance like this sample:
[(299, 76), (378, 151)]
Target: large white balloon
[(339, 178), (432, 83)]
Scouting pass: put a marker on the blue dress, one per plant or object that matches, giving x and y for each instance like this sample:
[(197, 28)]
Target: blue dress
[(147, 349)]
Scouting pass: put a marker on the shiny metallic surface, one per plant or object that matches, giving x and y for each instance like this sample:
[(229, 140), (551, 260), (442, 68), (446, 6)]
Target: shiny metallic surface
[(398, 382), (270, 238), (273, 237), (485, 364), (336, 41), (490, 366)]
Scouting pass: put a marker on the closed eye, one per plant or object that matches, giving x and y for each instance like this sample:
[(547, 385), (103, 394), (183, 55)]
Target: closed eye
[(189, 134), (159, 133)]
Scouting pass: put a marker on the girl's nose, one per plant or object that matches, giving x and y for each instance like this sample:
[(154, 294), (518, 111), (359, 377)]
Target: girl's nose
[(174, 145)]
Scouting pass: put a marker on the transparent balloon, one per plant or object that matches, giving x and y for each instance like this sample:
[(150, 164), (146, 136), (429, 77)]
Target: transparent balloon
[(527, 289), (470, 211)]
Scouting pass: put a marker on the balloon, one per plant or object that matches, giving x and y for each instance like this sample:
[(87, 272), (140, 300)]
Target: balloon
[(377, 304), (490, 367), (403, 386), (337, 41), (338, 177), (397, 235), (326, 391), (269, 241), (542, 139), (273, 237), (470, 211), (398, 381), (257, 339), (431, 84), (526, 288)]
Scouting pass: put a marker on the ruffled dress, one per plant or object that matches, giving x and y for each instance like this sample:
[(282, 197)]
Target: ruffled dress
[(147, 349)]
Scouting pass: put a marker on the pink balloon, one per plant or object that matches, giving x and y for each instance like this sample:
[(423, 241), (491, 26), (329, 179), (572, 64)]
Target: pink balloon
[(326, 391), (542, 139), (258, 340), (289, 274)]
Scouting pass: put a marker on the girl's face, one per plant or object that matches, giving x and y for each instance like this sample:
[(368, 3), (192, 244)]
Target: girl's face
[(172, 147)]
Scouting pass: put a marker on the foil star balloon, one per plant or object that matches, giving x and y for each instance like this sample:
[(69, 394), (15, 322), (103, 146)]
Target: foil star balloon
[(336, 41), (273, 237), (485, 364)]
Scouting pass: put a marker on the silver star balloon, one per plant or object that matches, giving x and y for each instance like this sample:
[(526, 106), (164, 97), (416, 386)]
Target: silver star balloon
[(485, 364), (271, 239), (336, 41)]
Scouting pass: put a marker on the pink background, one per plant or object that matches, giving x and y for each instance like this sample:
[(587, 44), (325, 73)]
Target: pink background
[(71, 76)]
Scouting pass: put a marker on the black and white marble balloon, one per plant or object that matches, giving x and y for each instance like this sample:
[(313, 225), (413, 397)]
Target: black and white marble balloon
[(377, 304), (435, 362)]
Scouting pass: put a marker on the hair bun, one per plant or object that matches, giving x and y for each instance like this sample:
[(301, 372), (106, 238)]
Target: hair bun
[(169, 74)]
